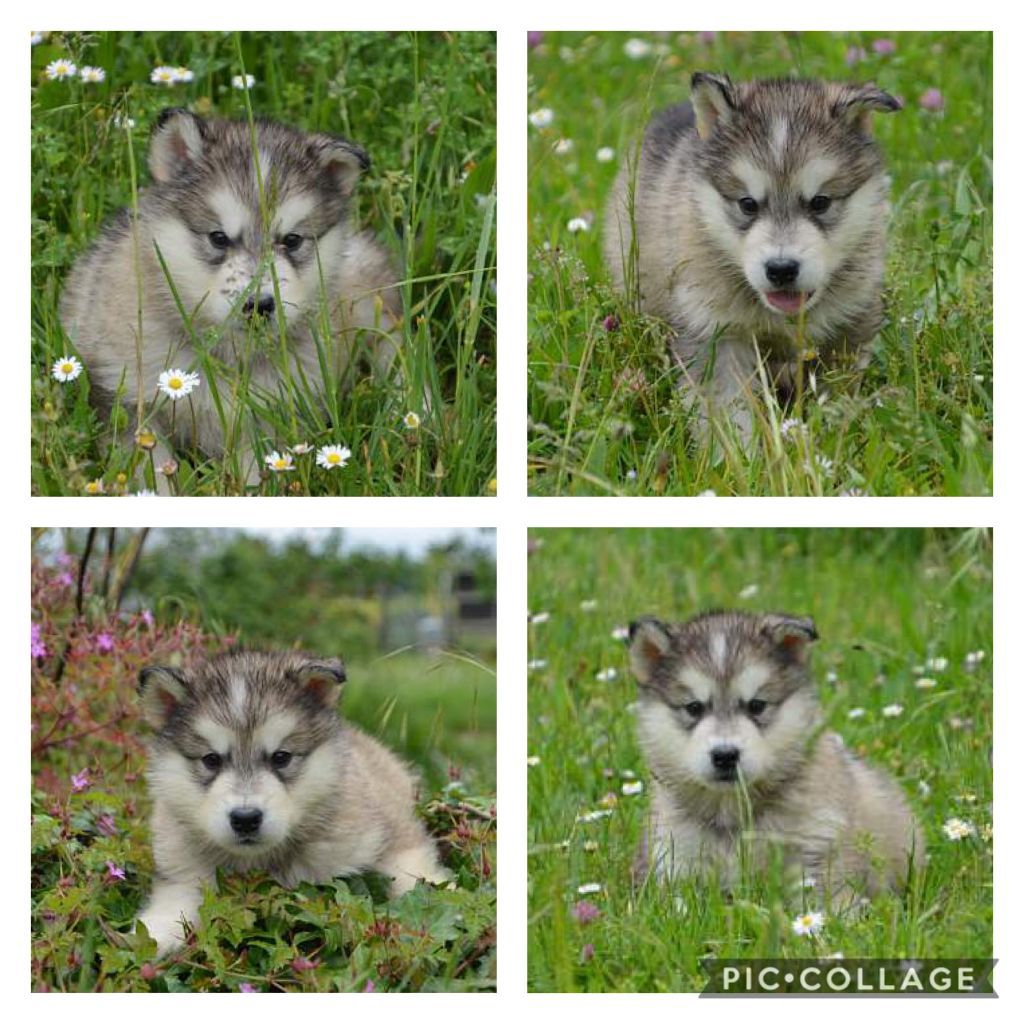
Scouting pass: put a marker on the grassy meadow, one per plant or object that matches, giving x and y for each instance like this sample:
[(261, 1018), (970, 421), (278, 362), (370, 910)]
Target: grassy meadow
[(423, 105), (893, 607), (605, 417), (92, 864)]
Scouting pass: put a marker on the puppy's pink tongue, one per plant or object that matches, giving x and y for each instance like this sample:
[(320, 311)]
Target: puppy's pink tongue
[(786, 302)]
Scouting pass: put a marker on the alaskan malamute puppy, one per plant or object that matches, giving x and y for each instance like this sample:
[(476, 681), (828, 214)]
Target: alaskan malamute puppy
[(227, 213), (755, 221), (251, 768), (731, 728)]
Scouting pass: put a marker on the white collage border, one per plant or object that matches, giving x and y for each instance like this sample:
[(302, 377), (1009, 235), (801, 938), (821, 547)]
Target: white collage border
[(511, 512)]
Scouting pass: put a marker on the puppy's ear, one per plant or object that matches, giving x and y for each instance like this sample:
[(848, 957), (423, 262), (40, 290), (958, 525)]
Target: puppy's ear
[(163, 690), (649, 643), (792, 635), (342, 160), (856, 103), (179, 140), (322, 680), (714, 100)]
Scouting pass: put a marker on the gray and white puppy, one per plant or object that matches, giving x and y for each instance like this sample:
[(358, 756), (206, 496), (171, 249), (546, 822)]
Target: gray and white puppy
[(226, 214), (251, 768), (754, 221), (731, 728)]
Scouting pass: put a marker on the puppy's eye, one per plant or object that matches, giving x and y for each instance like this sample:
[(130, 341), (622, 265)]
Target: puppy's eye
[(219, 240), (819, 204), (756, 707), (292, 242), (212, 761), (694, 709), (748, 206), (280, 758)]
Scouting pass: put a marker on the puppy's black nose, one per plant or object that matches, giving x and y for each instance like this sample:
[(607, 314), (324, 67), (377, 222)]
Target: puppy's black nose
[(246, 820), (264, 307), (725, 759), (782, 272)]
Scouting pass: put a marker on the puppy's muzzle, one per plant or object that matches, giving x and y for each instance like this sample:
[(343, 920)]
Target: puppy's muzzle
[(725, 760), (263, 307), (246, 821)]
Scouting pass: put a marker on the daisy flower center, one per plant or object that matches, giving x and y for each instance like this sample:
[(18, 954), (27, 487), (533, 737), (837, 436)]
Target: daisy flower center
[(333, 457), (176, 383)]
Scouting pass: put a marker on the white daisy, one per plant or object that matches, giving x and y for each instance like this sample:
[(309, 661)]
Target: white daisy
[(301, 448), (606, 675), (588, 888), (164, 75), (184, 74), (243, 82), (279, 463), (632, 788), (178, 384), (563, 146), (123, 121), (973, 659), (577, 224), (957, 829), (809, 924), (95, 487), (38, 37), (66, 368), (539, 618), (411, 420), (91, 75), (620, 633), (926, 684), (605, 155), (60, 68), (332, 455), (541, 118), (856, 713), (532, 761), (892, 710), (589, 817), (635, 49)]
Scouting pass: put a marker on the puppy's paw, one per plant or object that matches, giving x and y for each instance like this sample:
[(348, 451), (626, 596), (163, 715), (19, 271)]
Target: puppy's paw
[(167, 930)]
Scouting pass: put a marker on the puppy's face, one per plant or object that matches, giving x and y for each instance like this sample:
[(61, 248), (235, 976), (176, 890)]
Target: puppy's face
[(241, 756), (242, 221), (724, 697), (793, 182)]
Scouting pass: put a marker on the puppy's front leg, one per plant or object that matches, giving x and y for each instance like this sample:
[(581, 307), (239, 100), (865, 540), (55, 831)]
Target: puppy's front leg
[(721, 389), (170, 904)]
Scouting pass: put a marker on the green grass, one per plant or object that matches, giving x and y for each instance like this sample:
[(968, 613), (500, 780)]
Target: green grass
[(885, 601), (423, 106), (605, 415)]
